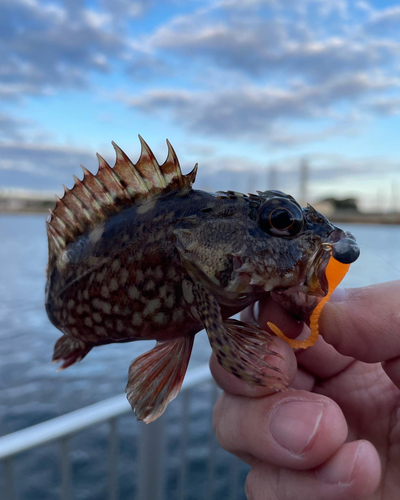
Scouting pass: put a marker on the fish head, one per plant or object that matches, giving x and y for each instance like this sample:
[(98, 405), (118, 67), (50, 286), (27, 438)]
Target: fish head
[(287, 252)]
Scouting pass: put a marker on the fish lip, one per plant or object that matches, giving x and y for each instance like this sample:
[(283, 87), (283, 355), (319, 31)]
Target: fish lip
[(342, 246), (319, 264), (322, 257), (313, 284), (338, 234)]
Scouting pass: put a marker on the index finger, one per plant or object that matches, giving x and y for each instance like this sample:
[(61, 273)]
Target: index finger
[(364, 323)]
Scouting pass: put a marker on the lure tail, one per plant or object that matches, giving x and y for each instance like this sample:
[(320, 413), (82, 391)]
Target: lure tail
[(335, 272)]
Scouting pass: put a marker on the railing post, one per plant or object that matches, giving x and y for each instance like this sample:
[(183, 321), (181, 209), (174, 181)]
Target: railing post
[(184, 443), (113, 460), (65, 469), (151, 470), (210, 493), (233, 481), (8, 474)]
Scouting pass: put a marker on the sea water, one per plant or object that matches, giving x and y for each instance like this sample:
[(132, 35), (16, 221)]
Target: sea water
[(31, 391)]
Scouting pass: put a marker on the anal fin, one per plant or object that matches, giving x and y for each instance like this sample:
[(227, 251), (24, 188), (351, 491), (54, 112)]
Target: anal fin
[(156, 376), (240, 348)]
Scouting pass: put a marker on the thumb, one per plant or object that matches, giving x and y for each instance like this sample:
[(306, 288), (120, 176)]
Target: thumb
[(364, 322)]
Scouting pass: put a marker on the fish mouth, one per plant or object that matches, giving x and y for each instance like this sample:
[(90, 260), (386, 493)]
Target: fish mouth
[(343, 247), (302, 299)]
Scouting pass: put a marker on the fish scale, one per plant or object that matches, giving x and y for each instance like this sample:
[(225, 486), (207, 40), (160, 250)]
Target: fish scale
[(135, 253)]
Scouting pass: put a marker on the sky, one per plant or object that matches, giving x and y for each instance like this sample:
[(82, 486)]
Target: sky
[(239, 86)]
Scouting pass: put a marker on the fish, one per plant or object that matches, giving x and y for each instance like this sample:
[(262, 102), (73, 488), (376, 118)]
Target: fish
[(136, 253)]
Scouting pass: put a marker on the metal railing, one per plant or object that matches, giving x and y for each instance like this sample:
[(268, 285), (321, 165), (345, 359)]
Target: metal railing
[(151, 456)]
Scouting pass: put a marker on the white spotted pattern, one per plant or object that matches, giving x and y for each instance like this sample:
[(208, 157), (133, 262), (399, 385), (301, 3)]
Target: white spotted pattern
[(151, 307)]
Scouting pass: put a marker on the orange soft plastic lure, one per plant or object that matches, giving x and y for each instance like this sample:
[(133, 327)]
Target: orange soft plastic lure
[(335, 272)]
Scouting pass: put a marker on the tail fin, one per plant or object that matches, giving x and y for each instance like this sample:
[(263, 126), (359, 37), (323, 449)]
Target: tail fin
[(70, 351)]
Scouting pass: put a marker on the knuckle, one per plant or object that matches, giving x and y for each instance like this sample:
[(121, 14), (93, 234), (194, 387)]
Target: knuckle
[(262, 483), (249, 485), (219, 417), (229, 423)]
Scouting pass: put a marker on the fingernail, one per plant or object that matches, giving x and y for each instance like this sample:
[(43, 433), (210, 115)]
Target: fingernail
[(339, 295), (294, 424), (338, 469)]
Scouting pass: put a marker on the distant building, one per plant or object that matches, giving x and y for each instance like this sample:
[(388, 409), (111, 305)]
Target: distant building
[(334, 206)]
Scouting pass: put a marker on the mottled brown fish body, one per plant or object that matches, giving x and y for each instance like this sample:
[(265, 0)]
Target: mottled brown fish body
[(123, 280), (136, 253)]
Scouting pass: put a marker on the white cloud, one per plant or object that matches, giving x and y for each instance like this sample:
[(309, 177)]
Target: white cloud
[(44, 167), (390, 14), (386, 105), (276, 72), (254, 68), (259, 113), (12, 128), (45, 46), (270, 46), (126, 8), (95, 19)]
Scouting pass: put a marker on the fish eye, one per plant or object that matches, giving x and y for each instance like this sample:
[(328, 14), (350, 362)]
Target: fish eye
[(280, 217)]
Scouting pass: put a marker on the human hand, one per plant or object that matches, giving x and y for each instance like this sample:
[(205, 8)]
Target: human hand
[(334, 434)]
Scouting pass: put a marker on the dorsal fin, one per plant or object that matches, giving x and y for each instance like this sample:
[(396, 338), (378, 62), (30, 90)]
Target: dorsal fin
[(111, 190)]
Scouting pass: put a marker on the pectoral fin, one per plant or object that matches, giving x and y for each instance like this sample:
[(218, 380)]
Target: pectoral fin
[(240, 348), (156, 376)]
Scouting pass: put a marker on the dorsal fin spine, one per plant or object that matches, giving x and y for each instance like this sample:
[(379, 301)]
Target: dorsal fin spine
[(96, 197), (103, 188), (109, 172), (82, 207), (70, 219), (123, 159), (71, 213), (56, 237), (66, 230), (191, 176), (173, 159), (156, 167), (106, 173), (102, 162), (87, 174)]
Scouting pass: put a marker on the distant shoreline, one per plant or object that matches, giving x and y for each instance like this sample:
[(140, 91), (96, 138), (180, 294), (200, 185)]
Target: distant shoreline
[(25, 211), (353, 218), (365, 218)]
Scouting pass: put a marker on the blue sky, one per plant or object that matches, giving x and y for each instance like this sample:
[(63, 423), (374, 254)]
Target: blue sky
[(236, 85)]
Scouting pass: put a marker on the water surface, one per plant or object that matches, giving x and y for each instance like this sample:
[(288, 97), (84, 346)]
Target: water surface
[(31, 391)]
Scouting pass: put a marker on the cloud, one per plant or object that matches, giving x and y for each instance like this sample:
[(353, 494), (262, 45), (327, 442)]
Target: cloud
[(385, 21), (12, 128), (269, 46), (256, 69), (47, 167), (44, 167), (275, 72), (123, 9), (47, 47), (323, 7), (261, 113), (386, 105), (275, 43)]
